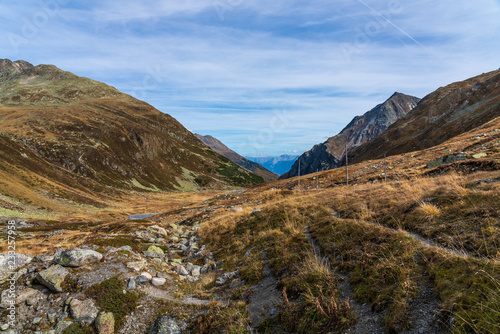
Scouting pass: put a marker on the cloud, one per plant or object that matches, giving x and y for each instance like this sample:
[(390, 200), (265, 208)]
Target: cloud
[(226, 67)]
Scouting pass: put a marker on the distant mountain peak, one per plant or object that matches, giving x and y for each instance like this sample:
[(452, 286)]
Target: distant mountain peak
[(360, 130)]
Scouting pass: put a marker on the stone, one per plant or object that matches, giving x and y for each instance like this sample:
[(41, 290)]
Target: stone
[(61, 326), (147, 275), (4, 327), (254, 212), (10, 263), (131, 283), (29, 296), (195, 271), (105, 323), (77, 257), (224, 278), (52, 317), (158, 281), (161, 274), (53, 277), (236, 209), (141, 279), (84, 312), (125, 248), (164, 325), (181, 270), (37, 320), (154, 252), (136, 266), (480, 155)]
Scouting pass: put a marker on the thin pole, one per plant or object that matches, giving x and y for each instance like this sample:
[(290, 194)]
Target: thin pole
[(346, 167), (385, 168), (299, 174)]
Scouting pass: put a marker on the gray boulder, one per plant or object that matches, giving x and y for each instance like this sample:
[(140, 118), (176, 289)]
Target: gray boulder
[(164, 325), (77, 257), (84, 312), (53, 277)]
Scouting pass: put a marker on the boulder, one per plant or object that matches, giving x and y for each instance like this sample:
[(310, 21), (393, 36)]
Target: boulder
[(84, 312), (158, 281), (77, 257), (164, 325), (131, 283), (29, 297), (105, 323), (181, 270), (154, 252), (147, 275), (53, 277), (10, 263), (141, 279), (195, 271)]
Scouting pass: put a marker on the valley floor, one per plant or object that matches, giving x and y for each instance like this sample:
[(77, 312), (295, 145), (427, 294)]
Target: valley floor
[(414, 256)]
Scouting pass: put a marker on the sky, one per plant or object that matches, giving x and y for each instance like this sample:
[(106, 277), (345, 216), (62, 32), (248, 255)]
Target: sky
[(264, 77)]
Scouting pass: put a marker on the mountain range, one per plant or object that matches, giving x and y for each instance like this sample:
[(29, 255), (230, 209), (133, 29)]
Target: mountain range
[(360, 130), (64, 135), (279, 164), (440, 116), (222, 149)]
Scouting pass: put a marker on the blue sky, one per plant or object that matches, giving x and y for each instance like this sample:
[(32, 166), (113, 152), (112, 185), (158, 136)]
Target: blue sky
[(266, 78)]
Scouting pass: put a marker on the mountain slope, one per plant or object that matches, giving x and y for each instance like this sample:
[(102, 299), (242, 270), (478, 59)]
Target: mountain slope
[(55, 123), (279, 165), (441, 115), (360, 130), (222, 149)]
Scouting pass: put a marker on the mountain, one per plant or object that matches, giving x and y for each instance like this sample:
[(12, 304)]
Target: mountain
[(222, 149), (440, 116), (61, 133), (278, 165), (360, 130)]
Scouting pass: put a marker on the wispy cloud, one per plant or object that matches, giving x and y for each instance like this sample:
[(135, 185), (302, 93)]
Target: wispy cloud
[(227, 67)]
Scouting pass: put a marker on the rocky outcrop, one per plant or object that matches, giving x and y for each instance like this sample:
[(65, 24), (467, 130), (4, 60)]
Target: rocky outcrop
[(77, 257), (360, 130)]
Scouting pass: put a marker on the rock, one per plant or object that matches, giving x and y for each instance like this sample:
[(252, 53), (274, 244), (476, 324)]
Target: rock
[(4, 327), (161, 275), (53, 277), (52, 317), (254, 212), (61, 326), (29, 296), (125, 248), (154, 252), (105, 323), (10, 263), (181, 270), (195, 271), (37, 320), (77, 257), (225, 277), (164, 325), (480, 155), (131, 283), (43, 258), (236, 209), (157, 281), (84, 312), (141, 279), (58, 252), (147, 275), (136, 266)]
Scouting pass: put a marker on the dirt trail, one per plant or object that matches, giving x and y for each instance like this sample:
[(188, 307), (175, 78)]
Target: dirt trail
[(368, 321)]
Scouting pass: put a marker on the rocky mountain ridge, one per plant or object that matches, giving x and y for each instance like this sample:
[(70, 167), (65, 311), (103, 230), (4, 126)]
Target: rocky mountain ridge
[(222, 149), (360, 130)]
